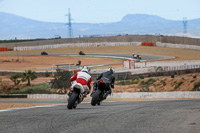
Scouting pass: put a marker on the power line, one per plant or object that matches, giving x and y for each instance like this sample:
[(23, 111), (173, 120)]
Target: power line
[(184, 25), (70, 32)]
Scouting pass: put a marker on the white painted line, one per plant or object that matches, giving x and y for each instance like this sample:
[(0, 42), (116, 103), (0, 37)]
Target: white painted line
[(42, 106)]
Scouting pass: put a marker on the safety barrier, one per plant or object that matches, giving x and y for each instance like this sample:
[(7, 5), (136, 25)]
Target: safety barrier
[(184, 46), (142, 67), (47, 96), (3, 49), (75, 45), (166, 63), (175, 94)]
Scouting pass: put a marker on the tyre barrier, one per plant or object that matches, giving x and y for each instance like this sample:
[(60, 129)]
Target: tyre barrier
[(14, 96)]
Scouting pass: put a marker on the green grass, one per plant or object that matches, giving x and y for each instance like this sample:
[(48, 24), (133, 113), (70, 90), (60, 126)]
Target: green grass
[(36, 89)]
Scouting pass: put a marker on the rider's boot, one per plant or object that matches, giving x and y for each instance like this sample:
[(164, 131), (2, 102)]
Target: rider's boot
[(94, 89), (70, 93), (106, 94)]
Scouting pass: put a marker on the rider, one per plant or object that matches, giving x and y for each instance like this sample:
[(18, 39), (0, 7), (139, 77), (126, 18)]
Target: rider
[(109, 74), (83, 78)]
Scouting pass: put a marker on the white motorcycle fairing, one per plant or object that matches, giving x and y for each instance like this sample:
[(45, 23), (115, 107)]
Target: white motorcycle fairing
[(78, 86)]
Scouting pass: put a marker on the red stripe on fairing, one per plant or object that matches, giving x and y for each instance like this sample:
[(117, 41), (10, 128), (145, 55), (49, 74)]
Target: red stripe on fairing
[(81, 81)]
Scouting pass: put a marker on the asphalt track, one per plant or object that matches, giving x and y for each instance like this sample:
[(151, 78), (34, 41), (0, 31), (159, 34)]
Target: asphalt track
[(120, 56), (144, 57), (175, 116)]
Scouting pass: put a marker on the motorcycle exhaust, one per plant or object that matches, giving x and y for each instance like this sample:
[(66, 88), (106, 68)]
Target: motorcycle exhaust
[(80, 96)]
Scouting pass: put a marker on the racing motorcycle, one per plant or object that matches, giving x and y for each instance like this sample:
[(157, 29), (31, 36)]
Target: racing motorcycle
[(101, 92), (76, 95)]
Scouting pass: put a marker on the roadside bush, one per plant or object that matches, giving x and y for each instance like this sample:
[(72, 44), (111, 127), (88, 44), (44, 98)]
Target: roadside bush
[(129, 82), (46, 74), (163, 82), (178, 85), (135, 81), (61, 80), (159, 69), (141, 77), (196, 87), (145, 89), (36, 89), (149, 81), (124, 82), (142, 82)]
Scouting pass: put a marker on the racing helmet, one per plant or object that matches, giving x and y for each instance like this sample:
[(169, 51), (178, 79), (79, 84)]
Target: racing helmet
[(84, 69), (110, 69)]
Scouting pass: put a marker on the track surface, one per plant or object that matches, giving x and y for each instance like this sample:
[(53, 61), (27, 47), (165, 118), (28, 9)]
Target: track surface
[(111, 117)]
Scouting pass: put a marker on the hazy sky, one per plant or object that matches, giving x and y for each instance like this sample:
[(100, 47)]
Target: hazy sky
[(100, 11)]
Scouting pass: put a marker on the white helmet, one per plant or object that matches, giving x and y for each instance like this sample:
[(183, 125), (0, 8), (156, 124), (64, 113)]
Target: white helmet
[(84, 69), (110, 69)]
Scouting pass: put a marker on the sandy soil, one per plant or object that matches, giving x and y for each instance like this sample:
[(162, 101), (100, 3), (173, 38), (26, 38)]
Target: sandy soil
[(180, 54), (163, 84), (36, 62), (17, 105)]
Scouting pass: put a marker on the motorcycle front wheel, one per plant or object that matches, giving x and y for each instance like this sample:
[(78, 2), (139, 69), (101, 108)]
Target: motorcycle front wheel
[(72, 100), (95, 97)]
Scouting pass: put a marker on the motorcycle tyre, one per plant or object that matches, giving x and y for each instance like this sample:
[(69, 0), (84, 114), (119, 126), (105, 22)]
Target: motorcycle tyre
[(72, 100), (95, 97)]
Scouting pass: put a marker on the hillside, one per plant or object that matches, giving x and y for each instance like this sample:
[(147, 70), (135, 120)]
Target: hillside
[(13, 26)]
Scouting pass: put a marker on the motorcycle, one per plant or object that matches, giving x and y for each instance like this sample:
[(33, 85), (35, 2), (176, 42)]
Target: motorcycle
[(76, 95), (101, 92)]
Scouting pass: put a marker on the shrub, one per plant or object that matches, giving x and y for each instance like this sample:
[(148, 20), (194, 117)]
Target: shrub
[(142, 82), (159, 69), (178, 85), (61, 80), (46, 74), (196, 87), (141, 77), (149, 81), (136, 81), (36, 89), (163, 82), (145, 89)]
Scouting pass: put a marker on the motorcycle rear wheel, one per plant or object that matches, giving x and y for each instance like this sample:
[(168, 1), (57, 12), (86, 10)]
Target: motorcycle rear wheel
[(95, 97), (72, 100)]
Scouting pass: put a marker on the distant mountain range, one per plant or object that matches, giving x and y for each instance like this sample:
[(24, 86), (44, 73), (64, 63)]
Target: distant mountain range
[(13, 26)]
